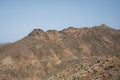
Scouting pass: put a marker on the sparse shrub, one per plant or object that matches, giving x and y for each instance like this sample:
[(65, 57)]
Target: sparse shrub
[(111, 66), (94, 71)]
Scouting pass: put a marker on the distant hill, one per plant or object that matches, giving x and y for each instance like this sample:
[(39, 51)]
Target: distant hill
[(3, 44), (69, 54)]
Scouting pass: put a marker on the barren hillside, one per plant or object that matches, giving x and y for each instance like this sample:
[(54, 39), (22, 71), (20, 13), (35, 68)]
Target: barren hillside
[(69, 54)]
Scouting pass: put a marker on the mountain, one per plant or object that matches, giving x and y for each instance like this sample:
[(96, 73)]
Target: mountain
[(69, 54)]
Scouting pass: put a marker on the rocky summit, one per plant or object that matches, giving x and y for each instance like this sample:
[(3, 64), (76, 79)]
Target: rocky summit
[(70, 54)]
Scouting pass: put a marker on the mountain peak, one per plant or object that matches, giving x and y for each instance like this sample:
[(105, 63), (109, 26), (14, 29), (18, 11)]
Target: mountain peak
[(36, 32), (103, 26)]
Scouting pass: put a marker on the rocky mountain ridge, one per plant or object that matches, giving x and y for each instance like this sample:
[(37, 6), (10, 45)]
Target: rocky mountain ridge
[(60, 55)]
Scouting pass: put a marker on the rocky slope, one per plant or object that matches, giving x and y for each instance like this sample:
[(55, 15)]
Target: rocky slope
[(69, 54)]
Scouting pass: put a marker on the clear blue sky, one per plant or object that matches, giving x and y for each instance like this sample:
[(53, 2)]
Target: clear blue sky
[(19, 17)]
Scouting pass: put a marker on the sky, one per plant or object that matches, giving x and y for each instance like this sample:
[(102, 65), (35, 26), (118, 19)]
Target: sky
[(19, 17)]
